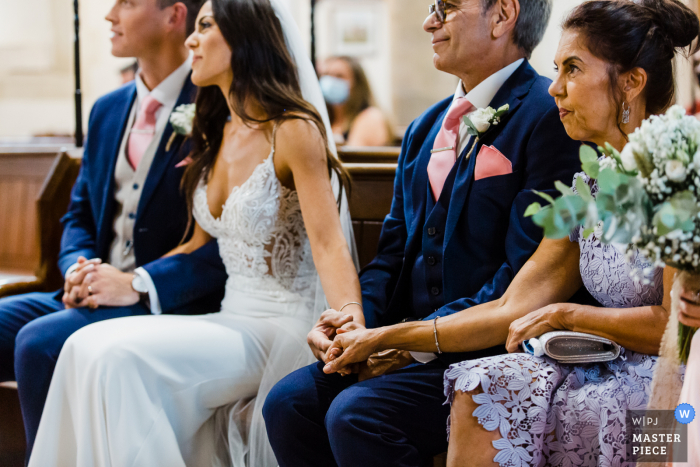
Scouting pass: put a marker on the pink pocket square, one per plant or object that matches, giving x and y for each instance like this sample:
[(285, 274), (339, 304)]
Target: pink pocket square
[(490, 163)]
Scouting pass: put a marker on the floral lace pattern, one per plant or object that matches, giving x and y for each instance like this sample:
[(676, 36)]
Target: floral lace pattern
[(552, 414), (261, 235)]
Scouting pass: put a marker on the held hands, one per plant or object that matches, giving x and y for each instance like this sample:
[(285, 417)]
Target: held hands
[(536, 323), (324, 331), (97, 284), (74, 281), (348, 348)]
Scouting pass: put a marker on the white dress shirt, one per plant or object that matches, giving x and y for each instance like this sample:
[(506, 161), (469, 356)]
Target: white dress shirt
[(480, 97), (121, 251)]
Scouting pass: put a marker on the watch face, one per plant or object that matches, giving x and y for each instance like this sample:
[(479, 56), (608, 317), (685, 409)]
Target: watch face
[(139, 284)]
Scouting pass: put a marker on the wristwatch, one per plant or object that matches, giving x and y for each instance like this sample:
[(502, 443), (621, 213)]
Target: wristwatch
[(139, 285)]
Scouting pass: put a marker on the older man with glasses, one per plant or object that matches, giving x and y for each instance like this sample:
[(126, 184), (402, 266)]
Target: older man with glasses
[(455, 238)]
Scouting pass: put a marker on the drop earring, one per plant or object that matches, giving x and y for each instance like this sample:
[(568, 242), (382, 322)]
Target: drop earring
[(625, 113)]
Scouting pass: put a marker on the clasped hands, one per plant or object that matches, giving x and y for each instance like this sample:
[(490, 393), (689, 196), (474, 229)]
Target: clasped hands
[(347, 347), (93, 284)]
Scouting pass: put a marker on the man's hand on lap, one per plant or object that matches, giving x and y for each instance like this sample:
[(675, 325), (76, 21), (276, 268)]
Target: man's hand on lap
[(109, 287)]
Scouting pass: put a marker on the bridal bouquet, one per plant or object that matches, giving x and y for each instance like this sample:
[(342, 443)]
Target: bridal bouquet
[(648, 197)]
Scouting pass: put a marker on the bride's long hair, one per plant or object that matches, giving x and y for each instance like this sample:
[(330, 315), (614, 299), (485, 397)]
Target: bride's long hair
[(264, 72)]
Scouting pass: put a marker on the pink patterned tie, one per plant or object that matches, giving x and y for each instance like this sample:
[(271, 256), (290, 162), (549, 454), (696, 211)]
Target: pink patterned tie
[(444, 152), (143, 130)]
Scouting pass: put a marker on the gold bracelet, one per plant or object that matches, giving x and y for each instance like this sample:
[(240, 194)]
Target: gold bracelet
[(351, 303), (435, 334)]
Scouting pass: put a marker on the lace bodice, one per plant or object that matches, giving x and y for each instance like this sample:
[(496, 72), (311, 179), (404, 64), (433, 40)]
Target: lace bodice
[(606, 271), (261, 235)]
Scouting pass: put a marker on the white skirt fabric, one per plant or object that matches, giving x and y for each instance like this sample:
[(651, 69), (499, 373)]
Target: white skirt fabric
[(154, 391)]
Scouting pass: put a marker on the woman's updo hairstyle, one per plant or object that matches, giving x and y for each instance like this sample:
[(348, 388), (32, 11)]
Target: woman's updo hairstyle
[(640, 33)]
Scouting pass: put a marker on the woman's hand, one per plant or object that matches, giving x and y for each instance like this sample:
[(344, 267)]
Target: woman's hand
[(348, 348), (536, 323), (690, 308)]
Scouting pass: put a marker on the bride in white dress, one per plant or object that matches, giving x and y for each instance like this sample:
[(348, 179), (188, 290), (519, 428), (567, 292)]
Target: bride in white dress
[(264, 182)]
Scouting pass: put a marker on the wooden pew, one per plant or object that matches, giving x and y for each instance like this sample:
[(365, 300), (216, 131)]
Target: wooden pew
[(23, 171), (51, 205), (370, 201), (371, 155)]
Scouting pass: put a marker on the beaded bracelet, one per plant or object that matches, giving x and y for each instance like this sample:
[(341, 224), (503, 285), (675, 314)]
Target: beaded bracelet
[(435, 334)]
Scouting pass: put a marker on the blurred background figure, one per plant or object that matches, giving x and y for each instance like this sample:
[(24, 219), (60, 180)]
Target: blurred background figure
[(128, 73), (355, 118)]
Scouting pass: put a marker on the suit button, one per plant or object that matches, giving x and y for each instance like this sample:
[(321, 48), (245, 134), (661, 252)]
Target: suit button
[(431, 260), (435, 291), (432, 231), (136, 186)]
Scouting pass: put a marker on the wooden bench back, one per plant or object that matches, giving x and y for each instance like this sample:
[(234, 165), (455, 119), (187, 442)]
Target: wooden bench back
[(370, 202), (369, 155), (372, 189), (51, 205)]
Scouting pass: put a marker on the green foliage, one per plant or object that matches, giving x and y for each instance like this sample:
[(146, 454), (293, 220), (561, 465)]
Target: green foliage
[(676, 213), (621, 204)]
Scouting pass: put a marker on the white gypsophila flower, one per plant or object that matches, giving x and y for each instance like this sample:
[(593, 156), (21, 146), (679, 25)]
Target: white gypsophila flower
[(481, 119), (627, 156), (607, 163), (675, 171)]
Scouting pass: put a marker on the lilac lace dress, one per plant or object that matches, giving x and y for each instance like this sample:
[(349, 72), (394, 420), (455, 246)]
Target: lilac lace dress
[(552, 414)]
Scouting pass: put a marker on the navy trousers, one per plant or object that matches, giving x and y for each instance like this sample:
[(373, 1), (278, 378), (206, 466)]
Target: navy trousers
[(33, 329), (319, 420)]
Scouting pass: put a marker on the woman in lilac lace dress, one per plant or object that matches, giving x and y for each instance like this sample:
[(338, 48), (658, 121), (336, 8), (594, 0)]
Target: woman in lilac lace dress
[(614, 69)]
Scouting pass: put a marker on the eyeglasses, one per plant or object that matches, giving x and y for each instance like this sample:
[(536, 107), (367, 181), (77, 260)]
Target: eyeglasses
[(439, 9)]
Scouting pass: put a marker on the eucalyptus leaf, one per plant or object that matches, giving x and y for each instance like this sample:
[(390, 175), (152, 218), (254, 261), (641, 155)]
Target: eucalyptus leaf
[(544, 195), (584, 191), (592, 169), (588, 232), (587, 154), (532, 209), (563, 189)]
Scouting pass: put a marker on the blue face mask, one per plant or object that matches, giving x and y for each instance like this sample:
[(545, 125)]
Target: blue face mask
[(335, 90)]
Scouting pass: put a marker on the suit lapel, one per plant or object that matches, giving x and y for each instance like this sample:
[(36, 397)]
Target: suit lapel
[(107, 206), (511, 93), (165, 159)]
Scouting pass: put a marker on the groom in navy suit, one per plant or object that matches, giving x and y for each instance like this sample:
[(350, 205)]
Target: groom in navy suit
[(455, 237), (126, 211)]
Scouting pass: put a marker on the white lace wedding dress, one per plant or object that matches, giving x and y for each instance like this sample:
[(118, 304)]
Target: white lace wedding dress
[(177, 391)]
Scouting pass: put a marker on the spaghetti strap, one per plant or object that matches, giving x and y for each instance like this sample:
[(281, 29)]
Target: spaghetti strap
[(274, 134)]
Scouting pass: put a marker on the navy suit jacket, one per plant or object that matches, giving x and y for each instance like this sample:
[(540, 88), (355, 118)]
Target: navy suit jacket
[(486, 238), (186, 284)]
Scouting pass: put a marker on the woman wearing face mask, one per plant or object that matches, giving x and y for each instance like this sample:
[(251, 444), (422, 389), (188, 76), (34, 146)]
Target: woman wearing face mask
[(264, 183), (355, 119)]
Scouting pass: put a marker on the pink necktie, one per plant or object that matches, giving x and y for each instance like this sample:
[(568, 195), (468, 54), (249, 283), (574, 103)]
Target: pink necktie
[(445, 147), (143, 130)]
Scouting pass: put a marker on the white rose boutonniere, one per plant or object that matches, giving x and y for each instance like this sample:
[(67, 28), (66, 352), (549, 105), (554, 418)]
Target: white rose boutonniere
[(480, 122), (181, 119)]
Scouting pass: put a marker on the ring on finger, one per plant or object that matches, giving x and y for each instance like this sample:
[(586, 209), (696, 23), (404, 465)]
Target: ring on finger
[(90, 290)]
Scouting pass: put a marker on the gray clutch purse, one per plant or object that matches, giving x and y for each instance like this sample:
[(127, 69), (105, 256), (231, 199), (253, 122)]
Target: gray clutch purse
[(573, 347)]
